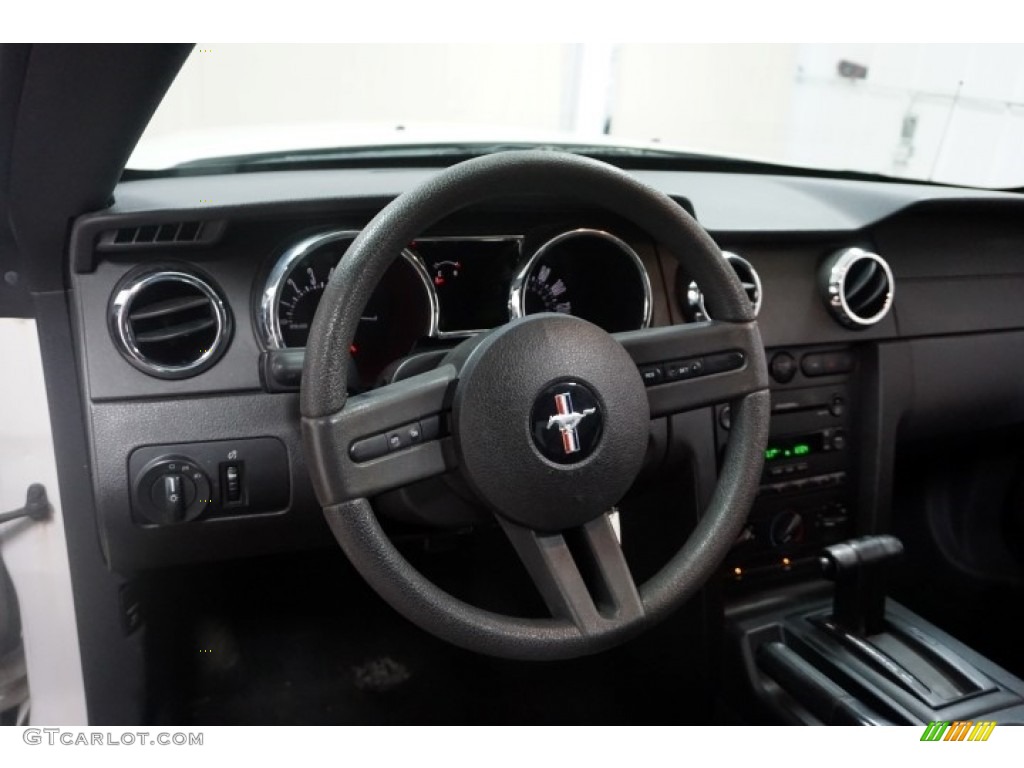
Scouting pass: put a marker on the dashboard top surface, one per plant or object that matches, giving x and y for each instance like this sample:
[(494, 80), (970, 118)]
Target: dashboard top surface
[(724, 202)]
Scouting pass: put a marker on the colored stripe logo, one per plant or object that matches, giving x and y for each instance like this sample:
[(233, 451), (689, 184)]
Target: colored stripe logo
[(570, 437), (958, 730)]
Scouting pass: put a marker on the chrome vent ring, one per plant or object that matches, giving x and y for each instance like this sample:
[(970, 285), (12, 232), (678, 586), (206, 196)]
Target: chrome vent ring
[(169, 323), (748, 277), (858, 287)]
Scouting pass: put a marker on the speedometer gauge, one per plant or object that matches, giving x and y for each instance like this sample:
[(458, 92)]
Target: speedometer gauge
[(401, 311), (588, 273), (547, 292)]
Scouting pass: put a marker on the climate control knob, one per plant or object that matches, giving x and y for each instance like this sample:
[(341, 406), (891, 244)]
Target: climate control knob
[(787, 529)]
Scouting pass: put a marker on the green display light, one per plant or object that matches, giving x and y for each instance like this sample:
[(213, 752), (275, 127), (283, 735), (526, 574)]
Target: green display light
[(787, 451)]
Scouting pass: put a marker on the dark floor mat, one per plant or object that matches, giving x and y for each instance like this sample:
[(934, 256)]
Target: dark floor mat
[(334, 653)]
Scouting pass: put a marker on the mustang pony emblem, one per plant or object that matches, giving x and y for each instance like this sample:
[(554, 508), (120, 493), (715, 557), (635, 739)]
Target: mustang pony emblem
[(567, 420)]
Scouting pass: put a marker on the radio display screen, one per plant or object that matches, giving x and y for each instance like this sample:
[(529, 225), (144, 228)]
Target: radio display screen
[(794, 447)]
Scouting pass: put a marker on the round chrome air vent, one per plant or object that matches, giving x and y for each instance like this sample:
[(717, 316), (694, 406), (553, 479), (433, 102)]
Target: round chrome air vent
[(858, 287), (748, 277), (169, 324)]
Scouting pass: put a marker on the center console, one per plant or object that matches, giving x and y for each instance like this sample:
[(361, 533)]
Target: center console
[(839, 653), (807, 494)]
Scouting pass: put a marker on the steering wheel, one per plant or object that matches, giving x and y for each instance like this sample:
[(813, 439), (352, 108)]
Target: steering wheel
[(546, 419)]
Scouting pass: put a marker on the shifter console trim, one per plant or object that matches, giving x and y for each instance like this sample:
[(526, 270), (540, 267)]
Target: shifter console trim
[(804, 672), (961, 676)]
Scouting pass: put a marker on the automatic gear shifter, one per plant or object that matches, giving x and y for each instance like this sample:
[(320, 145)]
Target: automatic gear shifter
[(867, 659), (900, 653), (860, 568)]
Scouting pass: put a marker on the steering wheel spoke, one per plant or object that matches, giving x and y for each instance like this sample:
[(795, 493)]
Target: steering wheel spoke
[(694, 365), (385, 438), (582, 574)]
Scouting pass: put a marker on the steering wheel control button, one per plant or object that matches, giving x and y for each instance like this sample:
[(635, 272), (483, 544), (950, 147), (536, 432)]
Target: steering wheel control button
[(430, 428), (566, 422), (783, 367), (691, 368), (724, 361), (396, 439), (652, 374), (368, 448), (684, 369)]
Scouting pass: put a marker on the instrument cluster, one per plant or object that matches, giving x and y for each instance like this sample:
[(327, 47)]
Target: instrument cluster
[(451, 288)]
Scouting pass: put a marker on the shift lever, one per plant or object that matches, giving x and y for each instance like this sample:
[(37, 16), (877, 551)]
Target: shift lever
[(860, 569), (859, 665)]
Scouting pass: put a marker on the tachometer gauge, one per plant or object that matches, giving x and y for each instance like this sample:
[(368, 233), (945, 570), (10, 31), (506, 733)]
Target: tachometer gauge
[(587, 273), (303, 287), (401, 311)]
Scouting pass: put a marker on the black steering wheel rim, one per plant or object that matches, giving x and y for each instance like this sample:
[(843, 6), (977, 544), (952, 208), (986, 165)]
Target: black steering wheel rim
[(330, 419)]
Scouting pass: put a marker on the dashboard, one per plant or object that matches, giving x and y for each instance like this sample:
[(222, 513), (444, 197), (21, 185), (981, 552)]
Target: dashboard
[(191, 318)]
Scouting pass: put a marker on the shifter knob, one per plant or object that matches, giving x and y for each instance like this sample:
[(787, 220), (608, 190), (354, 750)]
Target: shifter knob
[(860, 569)]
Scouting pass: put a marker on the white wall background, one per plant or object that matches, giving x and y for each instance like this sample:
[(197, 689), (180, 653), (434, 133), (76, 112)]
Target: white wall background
[(733, 99), (35, 552), (228, 85), (946, 112), (966, 103)]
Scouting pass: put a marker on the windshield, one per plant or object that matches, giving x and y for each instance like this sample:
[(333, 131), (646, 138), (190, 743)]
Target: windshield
[(944, 113)]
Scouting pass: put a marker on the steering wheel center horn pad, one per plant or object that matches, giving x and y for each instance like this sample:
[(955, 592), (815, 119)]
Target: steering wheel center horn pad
[(546, 418), (550, 420)]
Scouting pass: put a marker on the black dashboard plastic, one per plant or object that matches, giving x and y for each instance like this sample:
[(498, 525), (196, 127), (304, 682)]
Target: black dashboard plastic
[(948, 355)]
